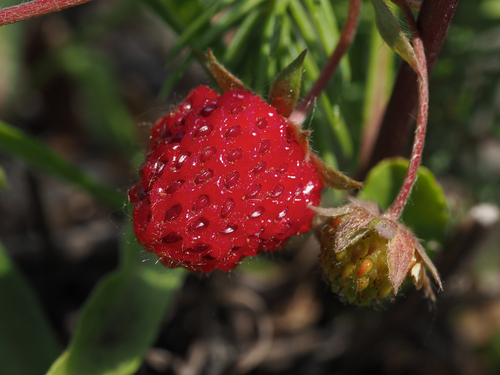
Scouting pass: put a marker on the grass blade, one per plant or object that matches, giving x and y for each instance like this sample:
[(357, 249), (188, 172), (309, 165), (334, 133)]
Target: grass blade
[(175, 75), (264, 68), (304, 24), (110, 119), (121, 318), (337, 124), (42, 158), (197, 25), (326, 26), (177, 14), (242, 34), (379, 82), (27, 343), (229, 18)]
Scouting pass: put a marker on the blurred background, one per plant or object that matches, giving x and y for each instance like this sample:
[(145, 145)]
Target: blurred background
[(88, 82)]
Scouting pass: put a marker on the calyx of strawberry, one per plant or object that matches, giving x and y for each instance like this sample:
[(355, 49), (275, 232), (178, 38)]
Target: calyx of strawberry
[(367, 256)]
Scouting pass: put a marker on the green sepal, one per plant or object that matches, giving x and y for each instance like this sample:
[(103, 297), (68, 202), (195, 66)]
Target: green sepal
[(285, 89), (221, 75), (390, 30), (333, 178)]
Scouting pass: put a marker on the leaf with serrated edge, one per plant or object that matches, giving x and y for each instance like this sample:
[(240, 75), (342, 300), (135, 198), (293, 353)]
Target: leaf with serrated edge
[(392, 33), (285, 89)]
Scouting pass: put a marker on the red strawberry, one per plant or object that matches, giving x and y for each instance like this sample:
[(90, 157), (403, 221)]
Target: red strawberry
[(224, 178)]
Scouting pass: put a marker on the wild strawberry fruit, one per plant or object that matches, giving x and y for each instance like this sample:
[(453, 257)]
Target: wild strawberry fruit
[(367, 257), (225, 177)]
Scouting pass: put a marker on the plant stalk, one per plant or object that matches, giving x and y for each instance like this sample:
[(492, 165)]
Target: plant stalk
[(299, 115), (396, 208), (36, 8), (433, 22)]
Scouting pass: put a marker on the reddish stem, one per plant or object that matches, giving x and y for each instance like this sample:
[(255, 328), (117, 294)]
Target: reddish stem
[(34, 9), (433, 22), (346, 37), (396, 208)]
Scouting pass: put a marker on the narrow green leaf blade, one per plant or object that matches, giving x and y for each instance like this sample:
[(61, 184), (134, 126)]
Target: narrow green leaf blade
[(110, 118), (380, 77), (177, 14), (427, 211), (391, 32), (121, 318), (174, 76), (197, 25), (27, 343), (242, 34), (337, 124), (263, 64), (331, 112), (41, 158), (285, 89), (230, 17), (326, 26), (303, 22)]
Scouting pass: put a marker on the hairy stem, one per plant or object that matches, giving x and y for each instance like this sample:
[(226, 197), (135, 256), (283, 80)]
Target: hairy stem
[(433, 22), (36, 8), (396, 208), (346, 37)]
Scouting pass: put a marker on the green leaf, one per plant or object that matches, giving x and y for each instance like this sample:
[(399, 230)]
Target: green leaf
[(122, 317), (229, 17), (337, 124), (41, 158), (326, 26), (304, 31), (427, 211), (285, 89), (265, 48), (241, 36), (331, 112), (175, 75), (176, 13), (108, 116), (379, 81), (27, 344), (197, 25), (391, 32), (303, 22)]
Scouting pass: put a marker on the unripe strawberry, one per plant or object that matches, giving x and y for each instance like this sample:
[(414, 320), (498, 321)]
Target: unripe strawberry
[(367, 257)]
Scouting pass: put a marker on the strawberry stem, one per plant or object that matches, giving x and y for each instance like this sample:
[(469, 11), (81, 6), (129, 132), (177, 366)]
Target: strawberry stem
[(34, 9), (434, 19), (346, 37), (396, 208)]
